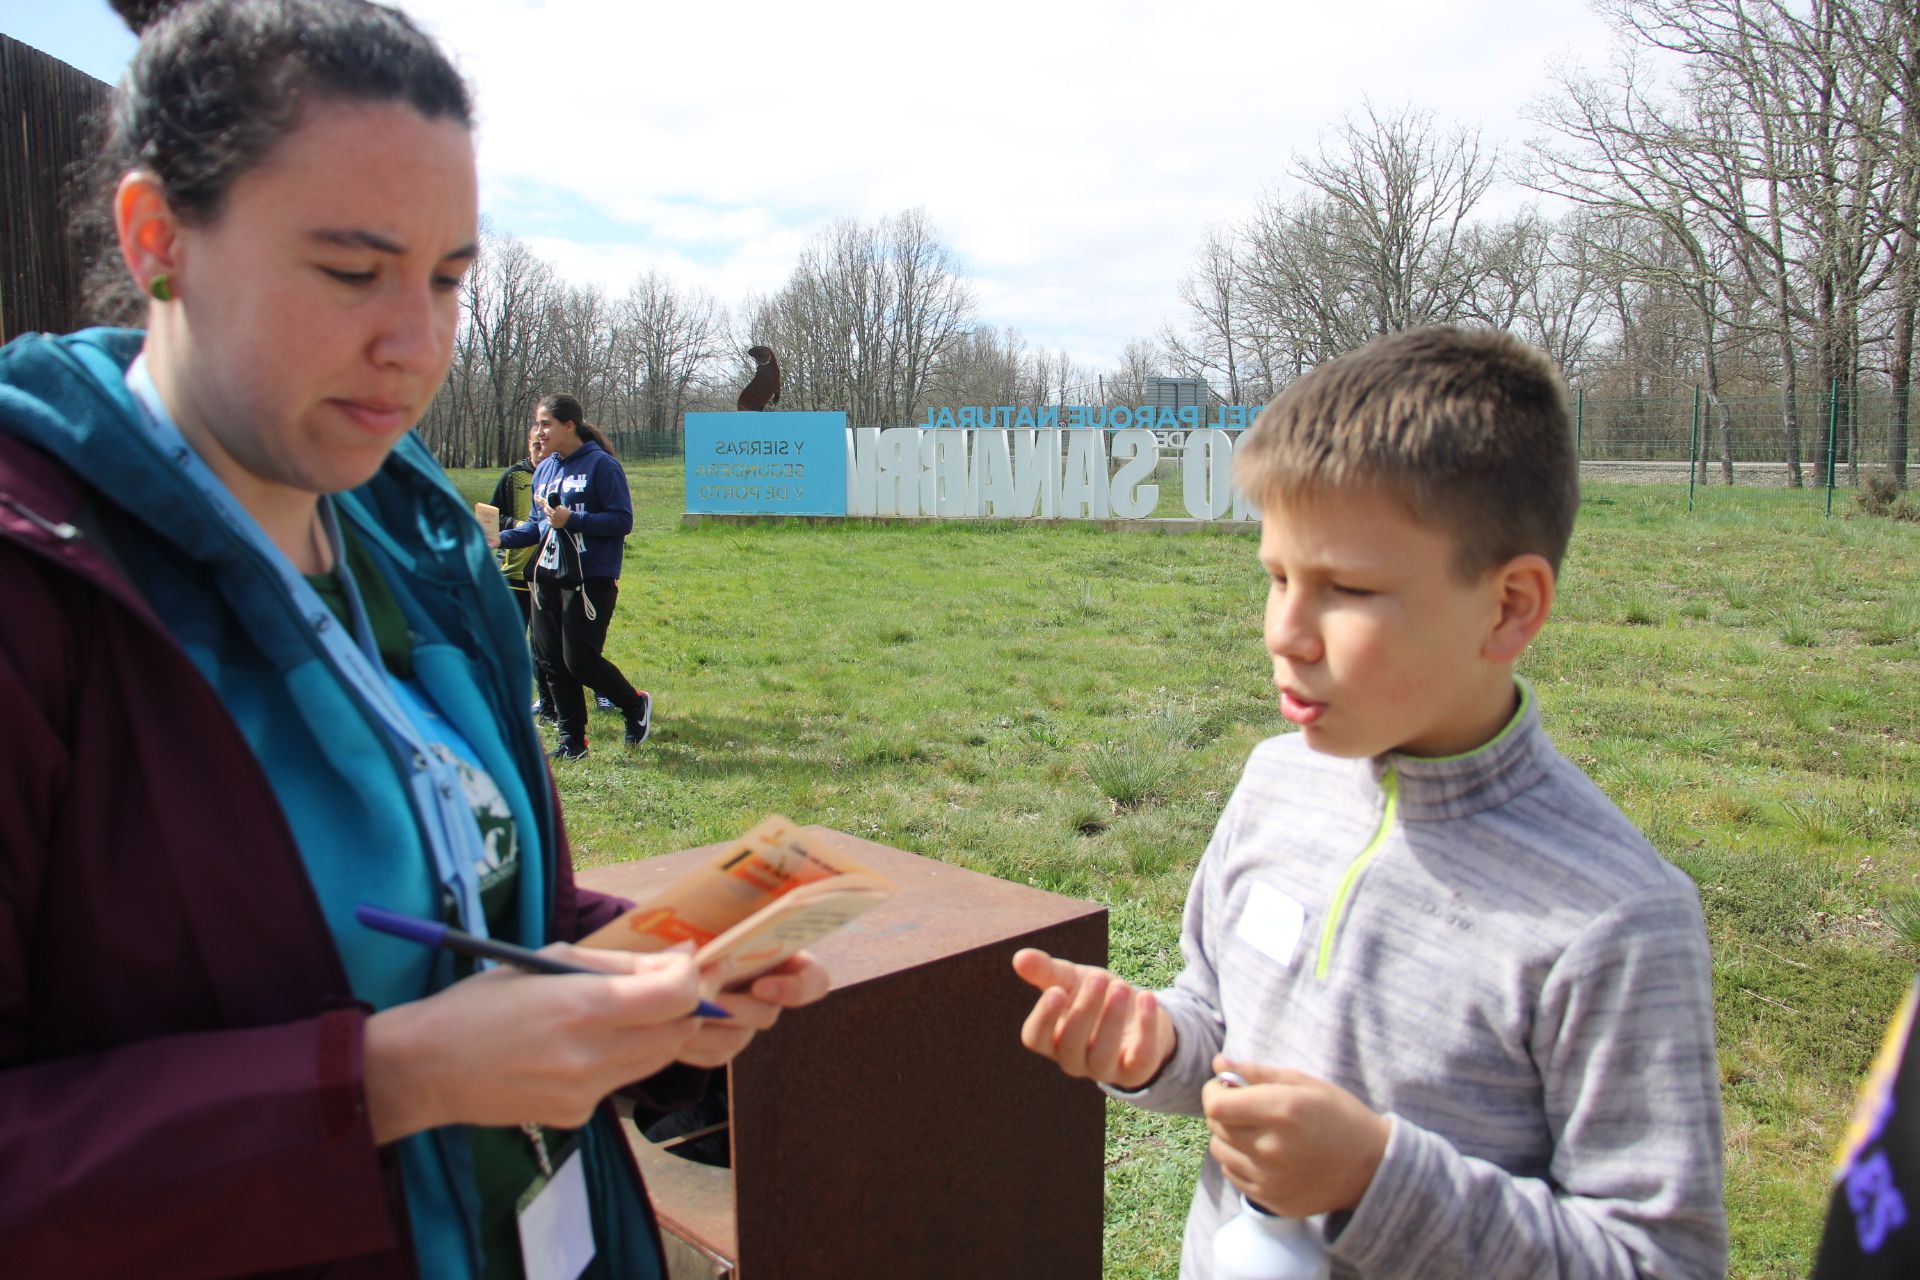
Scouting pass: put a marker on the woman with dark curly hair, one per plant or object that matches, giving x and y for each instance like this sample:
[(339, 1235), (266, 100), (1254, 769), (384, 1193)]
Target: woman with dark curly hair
[(272, 673)]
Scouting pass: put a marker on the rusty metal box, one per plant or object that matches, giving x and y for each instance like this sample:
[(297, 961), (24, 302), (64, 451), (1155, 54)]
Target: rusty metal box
[(899, 1128)]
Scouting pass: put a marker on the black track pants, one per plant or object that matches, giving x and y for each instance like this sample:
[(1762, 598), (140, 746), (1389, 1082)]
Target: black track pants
[(542, 689), (568, 643)]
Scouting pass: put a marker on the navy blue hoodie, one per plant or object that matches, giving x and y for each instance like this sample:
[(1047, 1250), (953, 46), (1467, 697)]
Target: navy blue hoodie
[(594, 487)]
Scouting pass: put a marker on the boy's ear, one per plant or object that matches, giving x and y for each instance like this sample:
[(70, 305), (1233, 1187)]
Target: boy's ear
[(1524, 587)]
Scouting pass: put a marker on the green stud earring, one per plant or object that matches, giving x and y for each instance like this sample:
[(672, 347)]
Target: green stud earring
[(161, 287)]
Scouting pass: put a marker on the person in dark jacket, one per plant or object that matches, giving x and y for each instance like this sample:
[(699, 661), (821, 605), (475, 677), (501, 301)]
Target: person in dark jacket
[(582, 515), (269, 672), (1873, 1220), (513, 499)]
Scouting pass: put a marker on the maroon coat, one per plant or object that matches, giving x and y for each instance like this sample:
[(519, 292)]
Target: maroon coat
[(180, 1055)]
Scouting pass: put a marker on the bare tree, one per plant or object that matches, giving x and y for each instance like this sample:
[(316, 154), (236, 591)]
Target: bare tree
[(866, 317), (1301, 299), (506, 300), (1127, 382), (1884, 42), (582, 344), (989, 366), (1378, 236), (1403, 190), (1058, 379), (1626, 154), (1902, 70), (1214, 296), (1772, 156), (670, 344), (1539, 279), (931, 308)]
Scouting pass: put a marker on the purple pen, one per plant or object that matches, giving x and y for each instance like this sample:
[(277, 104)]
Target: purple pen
[(431, 933)]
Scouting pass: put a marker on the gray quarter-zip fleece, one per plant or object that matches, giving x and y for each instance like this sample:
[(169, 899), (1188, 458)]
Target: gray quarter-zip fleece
[(1484, 949)]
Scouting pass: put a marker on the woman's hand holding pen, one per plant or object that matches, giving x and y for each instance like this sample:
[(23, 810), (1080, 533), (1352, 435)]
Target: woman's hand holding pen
[(505, 1047), (799, 981)]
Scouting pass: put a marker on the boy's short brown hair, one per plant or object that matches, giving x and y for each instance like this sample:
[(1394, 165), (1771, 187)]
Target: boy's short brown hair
[(1469, 427)]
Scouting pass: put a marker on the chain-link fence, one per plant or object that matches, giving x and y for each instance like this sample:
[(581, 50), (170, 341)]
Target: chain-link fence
[(1827, 442), (641, 446)]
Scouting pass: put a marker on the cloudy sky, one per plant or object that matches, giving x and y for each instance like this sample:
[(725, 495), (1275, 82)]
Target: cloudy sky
[(1071, 154)]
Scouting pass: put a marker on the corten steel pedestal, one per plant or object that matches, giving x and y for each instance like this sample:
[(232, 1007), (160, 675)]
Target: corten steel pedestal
[(898, 1128)]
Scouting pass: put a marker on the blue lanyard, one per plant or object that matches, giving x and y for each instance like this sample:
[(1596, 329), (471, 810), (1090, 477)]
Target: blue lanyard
[(439, 798)]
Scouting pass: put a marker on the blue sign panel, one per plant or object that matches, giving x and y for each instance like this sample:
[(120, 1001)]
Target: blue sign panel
[(769, 464)]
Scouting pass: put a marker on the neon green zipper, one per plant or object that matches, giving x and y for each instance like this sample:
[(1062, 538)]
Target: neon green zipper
[(1390, 788)]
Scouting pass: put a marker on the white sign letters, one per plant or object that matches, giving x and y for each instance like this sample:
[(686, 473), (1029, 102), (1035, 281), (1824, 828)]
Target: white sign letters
[(1017, 473)]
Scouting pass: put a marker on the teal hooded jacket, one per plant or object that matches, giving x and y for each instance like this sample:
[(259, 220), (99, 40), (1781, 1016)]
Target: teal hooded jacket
[(334, 775)]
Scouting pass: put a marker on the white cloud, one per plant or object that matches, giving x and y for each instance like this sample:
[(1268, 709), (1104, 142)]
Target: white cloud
[(1071, 154)]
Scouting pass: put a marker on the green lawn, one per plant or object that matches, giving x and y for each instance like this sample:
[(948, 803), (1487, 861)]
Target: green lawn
[(1068, 708)]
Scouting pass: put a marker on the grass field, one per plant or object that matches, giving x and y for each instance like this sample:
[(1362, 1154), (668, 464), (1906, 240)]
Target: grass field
[(1068, 708)]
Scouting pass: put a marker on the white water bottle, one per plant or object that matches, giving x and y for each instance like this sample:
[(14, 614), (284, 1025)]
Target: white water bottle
[(1256, 1245)]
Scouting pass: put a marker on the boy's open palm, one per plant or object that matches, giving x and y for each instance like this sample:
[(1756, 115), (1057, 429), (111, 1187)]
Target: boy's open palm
[(1293, 1143), (1093, 1024)]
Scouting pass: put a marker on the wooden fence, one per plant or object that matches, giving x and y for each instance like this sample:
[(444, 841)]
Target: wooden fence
[(47, 127)]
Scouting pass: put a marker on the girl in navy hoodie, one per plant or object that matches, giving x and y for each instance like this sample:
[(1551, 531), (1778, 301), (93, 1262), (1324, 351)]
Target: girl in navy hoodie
[(581, 517)]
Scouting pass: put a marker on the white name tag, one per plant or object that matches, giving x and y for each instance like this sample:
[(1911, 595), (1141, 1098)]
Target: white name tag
[(1271, 923), (556, 1227)]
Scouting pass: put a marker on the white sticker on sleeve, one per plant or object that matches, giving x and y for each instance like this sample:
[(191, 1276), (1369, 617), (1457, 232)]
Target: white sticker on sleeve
[(1271, 923)]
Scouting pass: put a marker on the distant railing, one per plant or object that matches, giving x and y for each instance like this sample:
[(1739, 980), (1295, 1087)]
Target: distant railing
[(638, 446), (1834, 441), (1860, 431)]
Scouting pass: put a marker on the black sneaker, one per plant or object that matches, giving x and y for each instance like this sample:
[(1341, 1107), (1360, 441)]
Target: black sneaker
[(545, 712), (640, 723), (568, 751)]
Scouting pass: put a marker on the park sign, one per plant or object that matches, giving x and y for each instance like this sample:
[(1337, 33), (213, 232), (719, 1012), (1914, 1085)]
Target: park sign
[(771, 464), (1087, 462)]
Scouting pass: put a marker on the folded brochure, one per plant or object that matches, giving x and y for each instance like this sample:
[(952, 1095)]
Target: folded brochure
[(774, 891)]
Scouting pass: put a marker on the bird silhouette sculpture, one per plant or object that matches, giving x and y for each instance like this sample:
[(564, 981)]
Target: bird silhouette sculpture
[(764, 390)]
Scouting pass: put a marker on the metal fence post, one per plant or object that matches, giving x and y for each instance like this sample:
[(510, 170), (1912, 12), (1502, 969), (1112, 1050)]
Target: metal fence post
[(1833, 426), (1579, 420), (1853, 434), (1693, 446)]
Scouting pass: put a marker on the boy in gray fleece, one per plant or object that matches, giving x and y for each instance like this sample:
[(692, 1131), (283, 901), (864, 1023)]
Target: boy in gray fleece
[(1472, 1003)]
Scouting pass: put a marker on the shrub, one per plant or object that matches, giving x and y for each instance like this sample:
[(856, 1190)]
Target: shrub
[(1128, 775), (1902, 913), (1877, 494)]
